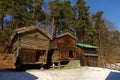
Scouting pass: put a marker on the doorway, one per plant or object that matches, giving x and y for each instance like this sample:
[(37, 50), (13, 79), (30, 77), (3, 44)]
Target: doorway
[(39, 55), (70, 54)]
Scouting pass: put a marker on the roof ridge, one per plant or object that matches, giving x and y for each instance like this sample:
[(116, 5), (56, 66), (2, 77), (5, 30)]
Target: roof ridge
[(67, 33)]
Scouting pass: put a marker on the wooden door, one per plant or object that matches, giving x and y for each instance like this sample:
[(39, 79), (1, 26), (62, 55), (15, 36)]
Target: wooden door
[(27, 56)]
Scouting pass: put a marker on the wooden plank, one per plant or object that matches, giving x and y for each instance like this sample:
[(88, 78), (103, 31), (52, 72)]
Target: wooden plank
[(34, 47), (35, 43), (66, 40), (56, 56), (53, 44), (27, 56), (34, 35)]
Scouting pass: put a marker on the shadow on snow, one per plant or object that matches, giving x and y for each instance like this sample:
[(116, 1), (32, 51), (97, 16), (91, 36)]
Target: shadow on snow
[(113, 76), (8, 75)]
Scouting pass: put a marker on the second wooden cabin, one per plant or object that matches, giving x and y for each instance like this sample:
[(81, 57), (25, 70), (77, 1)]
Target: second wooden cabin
[(62, 49), (30, 46)]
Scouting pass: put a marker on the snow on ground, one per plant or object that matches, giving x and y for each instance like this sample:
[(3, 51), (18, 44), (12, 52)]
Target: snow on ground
[(86, 73)]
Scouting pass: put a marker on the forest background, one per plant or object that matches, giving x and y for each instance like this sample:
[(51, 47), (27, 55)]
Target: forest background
[(57, 17)]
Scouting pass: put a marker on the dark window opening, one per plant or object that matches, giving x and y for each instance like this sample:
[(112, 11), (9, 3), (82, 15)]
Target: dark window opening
[(94, 58), (71, 54), (39, 54)]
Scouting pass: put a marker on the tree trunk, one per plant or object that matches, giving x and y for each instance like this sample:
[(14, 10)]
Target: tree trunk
[(53, 27), (33, 14), (2, 22), (14, 23)]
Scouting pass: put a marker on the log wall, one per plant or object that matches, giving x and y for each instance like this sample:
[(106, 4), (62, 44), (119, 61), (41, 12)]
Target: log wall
[(28, 46), (63, 46)]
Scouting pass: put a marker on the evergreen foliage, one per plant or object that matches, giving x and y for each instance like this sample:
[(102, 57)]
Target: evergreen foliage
[(62, 17)]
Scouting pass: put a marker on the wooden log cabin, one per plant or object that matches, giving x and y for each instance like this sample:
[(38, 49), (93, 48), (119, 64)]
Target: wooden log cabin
[(30, 46), (62, 49), (87, 54)]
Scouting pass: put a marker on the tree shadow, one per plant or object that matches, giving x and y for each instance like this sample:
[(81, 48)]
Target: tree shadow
[(9, 75), (113, 76)]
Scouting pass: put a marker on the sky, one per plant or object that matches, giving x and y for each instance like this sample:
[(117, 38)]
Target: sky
[(111, 10)]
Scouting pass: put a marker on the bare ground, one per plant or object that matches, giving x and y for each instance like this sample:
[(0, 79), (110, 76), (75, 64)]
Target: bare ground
[(6, 60)]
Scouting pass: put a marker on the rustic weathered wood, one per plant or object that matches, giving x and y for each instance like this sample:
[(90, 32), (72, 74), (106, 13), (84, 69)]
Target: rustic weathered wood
[(30, 45), (61, 47), (53, 44)]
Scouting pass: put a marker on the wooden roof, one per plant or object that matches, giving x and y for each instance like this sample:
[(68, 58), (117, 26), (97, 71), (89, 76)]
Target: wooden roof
[(67, 33), (29, 29)]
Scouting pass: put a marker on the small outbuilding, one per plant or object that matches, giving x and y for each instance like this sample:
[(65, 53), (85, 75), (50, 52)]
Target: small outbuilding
[(87, 54), (30, 45), (62, 49)]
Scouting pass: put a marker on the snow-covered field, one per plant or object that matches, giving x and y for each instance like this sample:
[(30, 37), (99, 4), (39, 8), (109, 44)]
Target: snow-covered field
[(85, 73)]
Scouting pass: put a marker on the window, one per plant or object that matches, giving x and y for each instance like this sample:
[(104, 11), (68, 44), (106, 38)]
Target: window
[(71, 54)]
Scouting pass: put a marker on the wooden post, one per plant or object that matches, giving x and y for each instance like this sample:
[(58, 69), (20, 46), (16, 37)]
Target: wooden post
[(53, 66), (45, 56), (59, 65), (42, 67)]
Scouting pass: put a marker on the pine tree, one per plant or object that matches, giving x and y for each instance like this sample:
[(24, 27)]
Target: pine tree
[(4, 9), (102, 36), (83, 20)]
